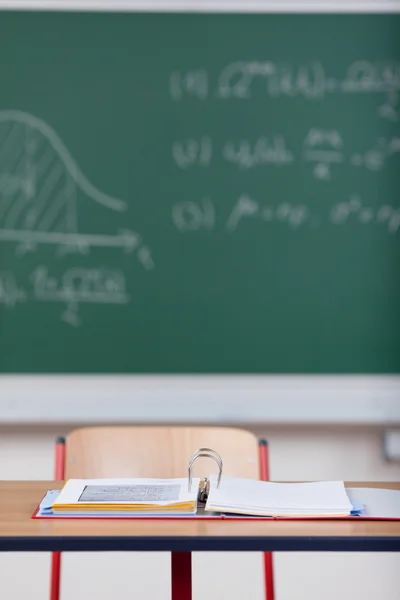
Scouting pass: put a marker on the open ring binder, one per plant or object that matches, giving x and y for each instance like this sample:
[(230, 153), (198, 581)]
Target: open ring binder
[(204, 453)]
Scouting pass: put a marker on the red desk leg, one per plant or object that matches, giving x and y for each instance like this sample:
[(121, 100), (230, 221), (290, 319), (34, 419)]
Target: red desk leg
[(55, 576), (181, 576), (269, 578)]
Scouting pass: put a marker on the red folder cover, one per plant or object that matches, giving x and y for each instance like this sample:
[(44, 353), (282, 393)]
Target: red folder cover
[(211, 517)]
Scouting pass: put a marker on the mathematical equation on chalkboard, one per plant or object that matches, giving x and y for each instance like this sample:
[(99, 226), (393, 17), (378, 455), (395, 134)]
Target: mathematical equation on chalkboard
[(322, 149), (41, 191), (42, 186), (194, 216), (242, 80), (102, 286)]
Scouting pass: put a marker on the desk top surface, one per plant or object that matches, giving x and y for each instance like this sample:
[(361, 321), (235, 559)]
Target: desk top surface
[(19, 532)]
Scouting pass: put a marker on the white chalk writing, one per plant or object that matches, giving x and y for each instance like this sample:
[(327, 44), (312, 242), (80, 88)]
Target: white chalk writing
[(323, 149), (265, 151), (247, 209), (243, 79), (190, 216), (39, 187)]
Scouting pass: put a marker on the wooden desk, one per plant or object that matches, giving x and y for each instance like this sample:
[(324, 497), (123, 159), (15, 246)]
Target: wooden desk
[(18, 532)]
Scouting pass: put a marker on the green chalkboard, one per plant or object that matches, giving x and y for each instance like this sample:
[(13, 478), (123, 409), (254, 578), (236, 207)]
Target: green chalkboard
[(199, 193)]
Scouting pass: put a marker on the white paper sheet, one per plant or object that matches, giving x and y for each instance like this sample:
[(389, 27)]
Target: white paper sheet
[(158, 492), (267, 498)]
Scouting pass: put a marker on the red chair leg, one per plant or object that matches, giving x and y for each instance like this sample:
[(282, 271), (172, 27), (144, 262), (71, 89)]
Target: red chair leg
[(181, 576), (268, 562), (59, 470)]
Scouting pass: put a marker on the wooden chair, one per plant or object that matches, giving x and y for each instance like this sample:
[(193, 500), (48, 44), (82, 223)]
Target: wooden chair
[(163, 452)]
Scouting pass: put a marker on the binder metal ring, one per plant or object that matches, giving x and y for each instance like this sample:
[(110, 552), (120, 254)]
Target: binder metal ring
[(204, 453)]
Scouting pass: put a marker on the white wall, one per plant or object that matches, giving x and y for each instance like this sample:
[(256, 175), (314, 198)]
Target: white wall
[(296, 454)]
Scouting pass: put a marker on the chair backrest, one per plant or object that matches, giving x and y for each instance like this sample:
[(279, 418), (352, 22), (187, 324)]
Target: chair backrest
[(158, 451)]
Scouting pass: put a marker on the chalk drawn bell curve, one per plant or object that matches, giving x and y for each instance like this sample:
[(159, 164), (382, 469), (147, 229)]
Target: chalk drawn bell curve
[(39, 182)]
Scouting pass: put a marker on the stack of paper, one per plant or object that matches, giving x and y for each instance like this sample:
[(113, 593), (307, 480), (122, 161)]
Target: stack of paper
[(261, 498), (125, 497)]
